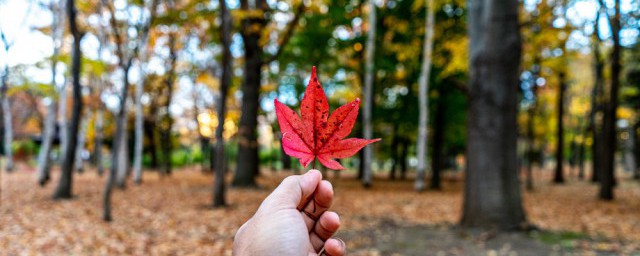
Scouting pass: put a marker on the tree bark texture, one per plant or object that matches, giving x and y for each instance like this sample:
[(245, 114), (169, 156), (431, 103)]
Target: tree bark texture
[(492, 192), (369, 79), (248, 161), (6, 118), (423, 85)]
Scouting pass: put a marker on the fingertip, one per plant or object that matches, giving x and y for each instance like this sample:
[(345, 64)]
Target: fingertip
[(332, 221), (312, 178), (335, 247), (324, 194), (314, 172)]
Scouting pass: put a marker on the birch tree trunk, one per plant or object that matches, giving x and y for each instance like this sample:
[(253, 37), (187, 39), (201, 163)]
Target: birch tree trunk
[(423, 85), (62, 119), (492, 190), (6, 118), (367, 128), (139, 125), (123, 158), (44, 157)]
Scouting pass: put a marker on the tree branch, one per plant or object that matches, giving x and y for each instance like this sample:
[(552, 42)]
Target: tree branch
[(288, 33), (116, 34)]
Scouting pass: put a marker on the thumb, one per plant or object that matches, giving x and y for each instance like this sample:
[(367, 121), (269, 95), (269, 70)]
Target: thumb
[(296, 190)]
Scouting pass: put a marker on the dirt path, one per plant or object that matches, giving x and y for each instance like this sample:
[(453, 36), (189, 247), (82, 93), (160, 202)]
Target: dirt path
[(392, 239)]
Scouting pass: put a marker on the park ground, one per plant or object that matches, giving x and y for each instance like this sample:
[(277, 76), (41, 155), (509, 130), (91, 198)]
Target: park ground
[(171, 216)]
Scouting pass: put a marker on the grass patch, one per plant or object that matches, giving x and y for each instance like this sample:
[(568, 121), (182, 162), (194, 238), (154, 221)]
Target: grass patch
[(566, 239)]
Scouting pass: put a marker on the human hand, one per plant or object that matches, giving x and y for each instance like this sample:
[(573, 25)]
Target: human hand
[(290, 222)]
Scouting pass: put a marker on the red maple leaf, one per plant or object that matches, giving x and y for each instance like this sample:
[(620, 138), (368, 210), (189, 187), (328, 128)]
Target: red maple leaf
[(319, 134)]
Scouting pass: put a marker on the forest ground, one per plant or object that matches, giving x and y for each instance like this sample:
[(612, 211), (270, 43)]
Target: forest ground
[(171, 216)]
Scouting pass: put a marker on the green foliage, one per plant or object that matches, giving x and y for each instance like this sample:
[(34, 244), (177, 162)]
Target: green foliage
[(24, 148)]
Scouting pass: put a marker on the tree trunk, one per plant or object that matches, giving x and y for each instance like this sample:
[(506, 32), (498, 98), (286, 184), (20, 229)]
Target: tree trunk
[(122, 162), (636, 128), (581, 155), (558, 177), (369, 77), (139, 125), (151, 137), (597, 102), (607, 180), (219, 198), (629, 150), (284, 158), (6, 118), (116, 150), (492, 192), (248, 162), (394, 152), (99, 123), (167, 120), (202, 140), (82, 135), (62, 120), (44, 157), (423, 84), (403, 159), (438, 141), (63, 191)]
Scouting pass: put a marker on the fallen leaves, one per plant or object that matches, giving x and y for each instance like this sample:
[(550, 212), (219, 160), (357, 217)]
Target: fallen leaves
[(170, 216)]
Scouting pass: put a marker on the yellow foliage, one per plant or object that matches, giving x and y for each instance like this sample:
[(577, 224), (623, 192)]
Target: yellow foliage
[(459, 61), (208, 80), (624, 113)]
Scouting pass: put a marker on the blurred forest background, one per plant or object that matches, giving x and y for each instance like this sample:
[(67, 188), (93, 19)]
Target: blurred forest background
[(510, 115)]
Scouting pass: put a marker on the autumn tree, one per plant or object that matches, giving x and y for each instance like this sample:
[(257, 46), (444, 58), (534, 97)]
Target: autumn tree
[(142, 69), (492, 192), (57, 31), (423, 84), (219, 166), (367, 94), (63, 191), (254, 20), (7, 129), (607, 178)]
